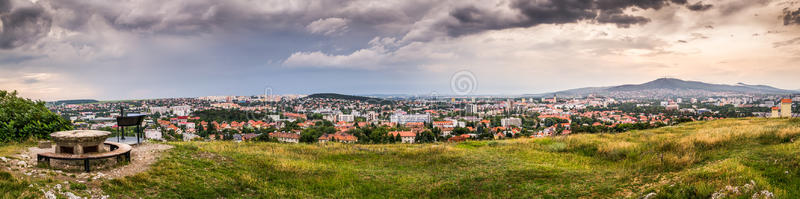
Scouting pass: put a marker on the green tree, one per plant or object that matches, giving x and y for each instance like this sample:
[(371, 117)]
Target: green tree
[(425, 137), (201, 131), (211, 129), (21, 119)]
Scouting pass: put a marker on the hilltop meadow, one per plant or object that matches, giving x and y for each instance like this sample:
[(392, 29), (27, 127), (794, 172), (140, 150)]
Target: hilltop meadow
[(731, 158)]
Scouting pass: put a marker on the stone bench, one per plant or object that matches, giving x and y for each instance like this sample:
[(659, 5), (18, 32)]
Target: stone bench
[(117, 150)]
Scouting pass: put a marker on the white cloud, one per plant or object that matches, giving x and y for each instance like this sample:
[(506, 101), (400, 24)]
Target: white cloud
[(328, 26), (372, 58)]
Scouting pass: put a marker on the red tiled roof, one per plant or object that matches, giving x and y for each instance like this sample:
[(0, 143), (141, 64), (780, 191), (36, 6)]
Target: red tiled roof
[(442, 122), (415, 124), (341, 136), (403, 133), (294, 115), (786, 101), (284, 135)]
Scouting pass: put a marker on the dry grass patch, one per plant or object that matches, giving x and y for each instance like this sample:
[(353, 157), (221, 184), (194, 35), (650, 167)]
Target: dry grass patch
[(616, 150)]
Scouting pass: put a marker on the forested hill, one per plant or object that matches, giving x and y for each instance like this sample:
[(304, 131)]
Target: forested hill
[(349, 97), (76, 101)]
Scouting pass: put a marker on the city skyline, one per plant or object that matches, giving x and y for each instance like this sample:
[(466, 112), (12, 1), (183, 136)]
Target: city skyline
[(54, 50)]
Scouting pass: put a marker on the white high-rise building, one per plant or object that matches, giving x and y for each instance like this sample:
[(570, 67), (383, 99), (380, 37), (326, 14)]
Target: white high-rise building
[(406, 118), (512, 121), (346, 118), (181, 110), (471, 108), (158, 109)]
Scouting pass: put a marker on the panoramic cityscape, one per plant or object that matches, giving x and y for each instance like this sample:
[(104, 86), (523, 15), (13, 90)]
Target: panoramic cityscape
[(400, 99)]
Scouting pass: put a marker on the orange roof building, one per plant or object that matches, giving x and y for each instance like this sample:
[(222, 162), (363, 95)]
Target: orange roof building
[(786, 108), (405, 136), (339, 136)]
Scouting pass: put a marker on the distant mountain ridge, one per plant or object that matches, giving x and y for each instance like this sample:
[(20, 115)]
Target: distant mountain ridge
[(75, 101), (672, 86), (348, 97)]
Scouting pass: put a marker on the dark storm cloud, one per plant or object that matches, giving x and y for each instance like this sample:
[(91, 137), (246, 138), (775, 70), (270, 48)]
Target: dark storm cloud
[(791, 17), (699, 6), (622, 20), (22, 25), (470, 19), (734, 7), (200, 16), (5, 5), (185, 18)]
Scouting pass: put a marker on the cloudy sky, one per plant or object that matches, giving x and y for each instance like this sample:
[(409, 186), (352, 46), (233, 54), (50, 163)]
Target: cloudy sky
[(101, 49)]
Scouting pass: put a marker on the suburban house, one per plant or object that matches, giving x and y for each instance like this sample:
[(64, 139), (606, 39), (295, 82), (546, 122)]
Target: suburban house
[(339, 137), (286, 137), (405, 136), (459, 138)]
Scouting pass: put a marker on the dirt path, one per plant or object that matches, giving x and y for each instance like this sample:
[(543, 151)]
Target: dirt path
[(141, 158)]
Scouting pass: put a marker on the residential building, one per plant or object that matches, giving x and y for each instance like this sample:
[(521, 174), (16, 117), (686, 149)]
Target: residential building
[(227, 105), (471, 108), (286, 137), (672, 107), (371, 116), (445, 124), (512, 121), (346, 118), (181, 110), (775, 112), (338, 137), (405, 136), (159, 109), (786, 107), (406, 118)]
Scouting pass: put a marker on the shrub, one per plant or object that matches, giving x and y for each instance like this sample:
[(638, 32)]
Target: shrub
[(77, 186), (21, 119)]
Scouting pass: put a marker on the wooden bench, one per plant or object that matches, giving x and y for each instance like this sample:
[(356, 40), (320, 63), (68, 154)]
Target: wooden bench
[(117, 150)]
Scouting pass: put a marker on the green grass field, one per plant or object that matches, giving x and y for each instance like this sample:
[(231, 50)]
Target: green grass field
[(735, 158)]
